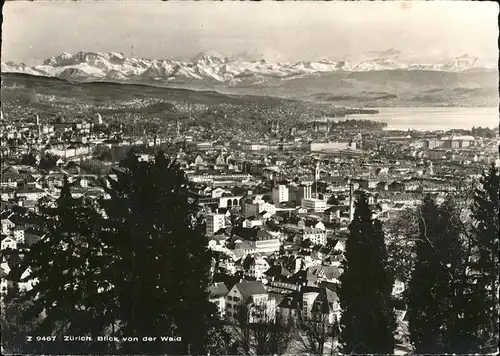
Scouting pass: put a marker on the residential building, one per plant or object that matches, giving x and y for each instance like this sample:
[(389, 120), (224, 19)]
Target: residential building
[(217, 294), (332, 146), (19, 233), (26, 285), (266, 242), (251, 222), (257, 207), (7, 225), (316, 236), (8, 243), (215, 222), (255, 266), (253, 295)]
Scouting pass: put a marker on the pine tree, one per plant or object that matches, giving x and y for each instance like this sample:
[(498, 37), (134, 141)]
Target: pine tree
[(161, 271), (436, 289), (452, 253), (424, 314), (66, 269), (368, 320), (485, 264)]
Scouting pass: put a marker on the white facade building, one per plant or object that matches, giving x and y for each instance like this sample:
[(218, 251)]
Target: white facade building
[(258, 207), (8, 242), (280, 194), (316, 205), (268, 245), (215, 222), (316, 236)]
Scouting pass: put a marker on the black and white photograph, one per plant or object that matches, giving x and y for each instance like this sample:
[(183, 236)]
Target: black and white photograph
[(249, 177)]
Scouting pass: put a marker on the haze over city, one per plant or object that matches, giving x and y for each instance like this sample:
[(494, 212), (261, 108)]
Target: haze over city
[(422, 32)]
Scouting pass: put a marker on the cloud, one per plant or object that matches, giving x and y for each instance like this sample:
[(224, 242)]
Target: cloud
[(387, 53)]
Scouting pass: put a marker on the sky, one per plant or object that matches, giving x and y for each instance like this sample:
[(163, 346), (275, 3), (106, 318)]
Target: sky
[(425, 32)]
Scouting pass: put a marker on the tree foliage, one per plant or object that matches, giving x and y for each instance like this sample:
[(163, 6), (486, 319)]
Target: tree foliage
[(453, 302), (66, 268), (435, 297), (316, 332), (262, 332), (485, 264), (132, 265), (368, 320), (162, 272)]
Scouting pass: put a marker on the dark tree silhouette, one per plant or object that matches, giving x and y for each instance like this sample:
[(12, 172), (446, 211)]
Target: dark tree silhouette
[(368, 320), (315, 331), (485, 264), (435, 296), (272, 334), (66, 268), (258, 331), (161, 273)]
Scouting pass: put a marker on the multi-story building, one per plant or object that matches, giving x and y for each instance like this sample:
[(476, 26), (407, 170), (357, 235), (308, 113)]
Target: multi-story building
[(304, 191), (217, 294), (432, 143), (316, 236), (215, 222), (266, 243), (332, 146), (316, 205), (280, 194), (254, 296), (254, 208), (8, 242), (255, 266), (19, 233)]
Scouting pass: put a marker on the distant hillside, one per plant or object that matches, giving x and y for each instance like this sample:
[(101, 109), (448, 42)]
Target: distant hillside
[(25, 87), (387, 88), (24, 96)]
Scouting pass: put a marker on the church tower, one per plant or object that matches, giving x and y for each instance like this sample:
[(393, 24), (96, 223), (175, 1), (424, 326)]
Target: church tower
[(317, 172), (38, 126)]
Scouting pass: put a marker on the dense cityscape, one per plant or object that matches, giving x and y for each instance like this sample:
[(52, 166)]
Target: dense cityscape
[(276, 211)]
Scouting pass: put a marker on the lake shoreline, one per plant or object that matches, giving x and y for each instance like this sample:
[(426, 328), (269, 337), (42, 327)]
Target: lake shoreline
[(434, 118)]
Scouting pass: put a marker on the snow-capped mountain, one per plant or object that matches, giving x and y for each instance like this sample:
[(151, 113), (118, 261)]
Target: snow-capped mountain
[(380, 64), (211, 66)]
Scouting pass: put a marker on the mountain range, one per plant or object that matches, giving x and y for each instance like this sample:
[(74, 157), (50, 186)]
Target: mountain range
[(377, 82), (210, 66)]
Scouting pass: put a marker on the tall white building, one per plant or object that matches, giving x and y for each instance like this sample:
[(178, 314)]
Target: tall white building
[(215, 222), (280, 194)]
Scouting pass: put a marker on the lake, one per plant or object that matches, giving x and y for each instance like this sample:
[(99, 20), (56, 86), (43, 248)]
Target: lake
[(432, 119)]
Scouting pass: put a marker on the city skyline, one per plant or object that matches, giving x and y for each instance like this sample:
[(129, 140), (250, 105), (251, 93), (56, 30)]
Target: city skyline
[(302, 31)]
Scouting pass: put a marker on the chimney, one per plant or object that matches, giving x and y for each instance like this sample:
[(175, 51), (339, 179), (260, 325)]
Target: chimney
[(351, 201)]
